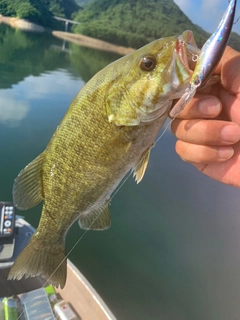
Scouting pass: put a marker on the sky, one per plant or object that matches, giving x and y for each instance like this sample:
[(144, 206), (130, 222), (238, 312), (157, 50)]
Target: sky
[(207, 13)]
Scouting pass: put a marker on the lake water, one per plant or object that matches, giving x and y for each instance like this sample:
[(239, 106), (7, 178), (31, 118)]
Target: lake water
[(173, 251)]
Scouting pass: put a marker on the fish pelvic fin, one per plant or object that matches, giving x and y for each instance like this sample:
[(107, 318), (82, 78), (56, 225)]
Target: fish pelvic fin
[(98, 219), (38, 260), (141, 166), (27, 187)]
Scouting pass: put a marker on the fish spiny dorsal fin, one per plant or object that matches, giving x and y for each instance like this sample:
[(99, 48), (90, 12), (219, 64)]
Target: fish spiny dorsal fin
[(27, 188), (98, 219), (141, 165)]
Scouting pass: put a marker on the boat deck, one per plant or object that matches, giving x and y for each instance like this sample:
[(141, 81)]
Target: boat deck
[(78, 292), (14, 287)]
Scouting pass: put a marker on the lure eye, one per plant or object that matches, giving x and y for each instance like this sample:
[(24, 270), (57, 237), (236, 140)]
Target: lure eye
[(197, 82), (148, 63)]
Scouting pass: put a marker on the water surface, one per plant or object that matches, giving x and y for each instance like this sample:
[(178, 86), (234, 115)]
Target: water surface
[(173, 251)]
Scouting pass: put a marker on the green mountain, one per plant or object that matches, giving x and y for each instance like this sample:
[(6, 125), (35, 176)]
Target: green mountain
[(38, 11), (131, 23), (137, 22)]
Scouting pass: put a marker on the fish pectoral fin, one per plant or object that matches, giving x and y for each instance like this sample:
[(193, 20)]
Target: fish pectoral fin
[(27, 187), (141, 166), (98, 219)]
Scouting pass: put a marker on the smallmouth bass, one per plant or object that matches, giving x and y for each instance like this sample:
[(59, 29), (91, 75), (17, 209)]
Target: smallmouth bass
[(108, 130)]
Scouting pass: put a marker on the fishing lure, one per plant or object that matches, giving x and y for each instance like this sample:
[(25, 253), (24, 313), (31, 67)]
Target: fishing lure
[(208, 59)]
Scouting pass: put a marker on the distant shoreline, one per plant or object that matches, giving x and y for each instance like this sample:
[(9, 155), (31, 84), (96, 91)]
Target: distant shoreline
[(91, 42), (72, 37), (21, 24)]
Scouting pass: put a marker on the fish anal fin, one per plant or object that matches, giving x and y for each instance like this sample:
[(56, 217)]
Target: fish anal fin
[(27, 187), (98, 219), (141, 166)]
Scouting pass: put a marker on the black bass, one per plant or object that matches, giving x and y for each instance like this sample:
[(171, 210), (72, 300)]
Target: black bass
[(108, 130)]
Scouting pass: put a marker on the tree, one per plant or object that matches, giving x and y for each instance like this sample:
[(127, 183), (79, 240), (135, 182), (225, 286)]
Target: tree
[(26, 11)]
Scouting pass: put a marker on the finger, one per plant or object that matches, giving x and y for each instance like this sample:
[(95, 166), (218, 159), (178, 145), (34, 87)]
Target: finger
[(203, 154), (230, 78), (224, 171), (207, 132), (201, 106), (229, 91), (229, 68), (231, 105)]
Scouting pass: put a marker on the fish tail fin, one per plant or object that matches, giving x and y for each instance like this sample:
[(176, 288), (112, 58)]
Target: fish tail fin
[(37, 259)]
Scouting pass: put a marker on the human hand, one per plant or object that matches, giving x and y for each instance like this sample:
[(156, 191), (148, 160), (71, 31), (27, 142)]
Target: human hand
[(208, 128)]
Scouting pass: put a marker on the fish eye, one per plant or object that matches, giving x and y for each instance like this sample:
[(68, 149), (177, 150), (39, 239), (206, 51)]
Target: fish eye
[(148, 63)]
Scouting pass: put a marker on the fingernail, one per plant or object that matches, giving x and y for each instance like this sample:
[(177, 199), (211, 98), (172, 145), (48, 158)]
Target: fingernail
[(210, 106), (231, 133), (225, 152)]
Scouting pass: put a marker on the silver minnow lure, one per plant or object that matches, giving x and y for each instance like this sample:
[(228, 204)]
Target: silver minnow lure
[(208, 59)]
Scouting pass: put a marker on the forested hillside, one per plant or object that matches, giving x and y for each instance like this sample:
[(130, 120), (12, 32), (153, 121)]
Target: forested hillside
[(132, 22), (136, 22), (38, 11)]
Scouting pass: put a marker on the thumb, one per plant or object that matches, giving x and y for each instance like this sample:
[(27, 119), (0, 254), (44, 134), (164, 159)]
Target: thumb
[(229, 69)]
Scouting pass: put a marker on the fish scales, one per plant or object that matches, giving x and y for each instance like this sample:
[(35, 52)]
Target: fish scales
[(108, 130)]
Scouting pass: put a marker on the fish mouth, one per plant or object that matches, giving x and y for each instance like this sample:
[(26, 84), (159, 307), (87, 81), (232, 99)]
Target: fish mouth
[(187, 50), (187, 54)]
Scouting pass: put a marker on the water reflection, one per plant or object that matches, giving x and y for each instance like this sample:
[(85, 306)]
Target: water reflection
[(15, 104), (9, 113), (173, 249), (24, 54), (88, 61)]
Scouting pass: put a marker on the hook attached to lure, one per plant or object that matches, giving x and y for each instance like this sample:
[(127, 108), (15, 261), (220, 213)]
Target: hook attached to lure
[(208, 59)]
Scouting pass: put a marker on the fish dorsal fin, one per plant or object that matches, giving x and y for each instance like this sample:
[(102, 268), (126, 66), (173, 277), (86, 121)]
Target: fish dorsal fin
[(27, 187), (141, 165), (98, 219)]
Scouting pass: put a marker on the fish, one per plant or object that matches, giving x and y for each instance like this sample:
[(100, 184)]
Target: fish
[(108, 130), (208, 58)]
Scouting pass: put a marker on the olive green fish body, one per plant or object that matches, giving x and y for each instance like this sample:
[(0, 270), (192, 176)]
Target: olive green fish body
[(108, 130)]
